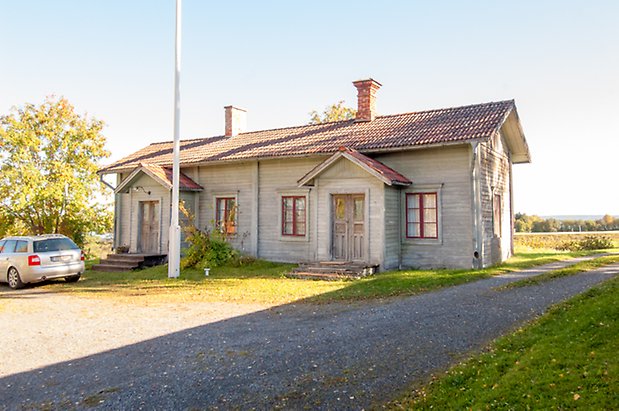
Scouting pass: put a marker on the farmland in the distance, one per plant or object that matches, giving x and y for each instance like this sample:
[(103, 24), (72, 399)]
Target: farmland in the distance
[(554, 240)]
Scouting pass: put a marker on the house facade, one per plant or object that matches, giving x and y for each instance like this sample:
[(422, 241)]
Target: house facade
[(426, 189)]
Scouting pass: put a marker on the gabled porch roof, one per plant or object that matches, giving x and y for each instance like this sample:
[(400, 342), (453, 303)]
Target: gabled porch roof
[(385, 174), (162, 175)]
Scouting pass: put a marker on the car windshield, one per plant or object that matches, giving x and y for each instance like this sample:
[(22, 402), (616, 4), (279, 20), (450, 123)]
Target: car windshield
[(54, 244)]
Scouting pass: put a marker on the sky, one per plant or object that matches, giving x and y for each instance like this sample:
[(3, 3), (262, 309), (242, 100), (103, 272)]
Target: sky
[(279, 60)]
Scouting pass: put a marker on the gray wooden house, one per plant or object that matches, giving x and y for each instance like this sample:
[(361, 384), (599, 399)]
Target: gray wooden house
[(420, 189)]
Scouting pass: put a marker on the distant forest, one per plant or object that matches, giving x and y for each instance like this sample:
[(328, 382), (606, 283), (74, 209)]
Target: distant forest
[(536, 224)]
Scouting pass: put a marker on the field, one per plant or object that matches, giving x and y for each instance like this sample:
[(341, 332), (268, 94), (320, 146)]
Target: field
[(555, 240)]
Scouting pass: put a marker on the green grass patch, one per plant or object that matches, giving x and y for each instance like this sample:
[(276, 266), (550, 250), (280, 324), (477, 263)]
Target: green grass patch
[(263, 282), (566, 359), (563, 272)]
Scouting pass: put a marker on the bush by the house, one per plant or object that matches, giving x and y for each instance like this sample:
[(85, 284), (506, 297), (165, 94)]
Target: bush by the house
[(207, 249)]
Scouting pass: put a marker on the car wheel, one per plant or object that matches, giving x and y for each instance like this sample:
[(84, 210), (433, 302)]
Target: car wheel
[(14, 279), (73, 278)]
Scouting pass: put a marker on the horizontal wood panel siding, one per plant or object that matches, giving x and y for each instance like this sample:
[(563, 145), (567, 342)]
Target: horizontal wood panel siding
[(393, 222), (225, 180), (451, 167), (344, 177), (495, 177), (277, 178)]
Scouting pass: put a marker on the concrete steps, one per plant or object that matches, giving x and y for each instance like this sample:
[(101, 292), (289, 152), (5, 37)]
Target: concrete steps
[(128, 262), (333, 271)]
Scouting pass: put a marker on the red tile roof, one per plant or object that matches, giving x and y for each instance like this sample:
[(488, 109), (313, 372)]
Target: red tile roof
[(443, 126), (165, 175), (387, 172)]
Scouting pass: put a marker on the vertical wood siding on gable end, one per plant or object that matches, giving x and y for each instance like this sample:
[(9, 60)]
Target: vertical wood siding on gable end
[(451, 167), (495, 179)]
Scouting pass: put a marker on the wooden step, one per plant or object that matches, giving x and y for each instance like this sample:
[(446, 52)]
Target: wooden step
[(125, 257), (319, 276), (333, 270)]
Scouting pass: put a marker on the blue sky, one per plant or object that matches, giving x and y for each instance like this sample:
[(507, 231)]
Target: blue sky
[(281, 59)]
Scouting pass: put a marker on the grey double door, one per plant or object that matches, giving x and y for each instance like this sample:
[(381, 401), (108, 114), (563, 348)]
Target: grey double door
[(348, 227)]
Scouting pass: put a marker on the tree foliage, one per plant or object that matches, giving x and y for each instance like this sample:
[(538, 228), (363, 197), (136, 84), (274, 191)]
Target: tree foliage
[(49, 156), (334, 112), (534, 224)]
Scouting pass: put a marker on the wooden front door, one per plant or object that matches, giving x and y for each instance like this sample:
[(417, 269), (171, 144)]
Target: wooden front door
[(348, 227), (149, 227)]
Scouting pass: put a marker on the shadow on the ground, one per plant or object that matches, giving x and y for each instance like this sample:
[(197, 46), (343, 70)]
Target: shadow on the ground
[(334, 356)]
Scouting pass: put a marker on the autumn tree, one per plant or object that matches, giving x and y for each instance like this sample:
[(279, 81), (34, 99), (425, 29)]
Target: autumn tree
[(48, 181), (334, 112)]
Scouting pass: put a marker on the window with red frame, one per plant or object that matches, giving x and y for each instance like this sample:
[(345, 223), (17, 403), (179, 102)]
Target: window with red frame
[(226, 215), (293, 215), (421, 215)]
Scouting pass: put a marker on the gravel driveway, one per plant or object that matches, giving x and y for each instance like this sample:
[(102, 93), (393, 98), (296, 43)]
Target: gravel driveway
[(62, 352)]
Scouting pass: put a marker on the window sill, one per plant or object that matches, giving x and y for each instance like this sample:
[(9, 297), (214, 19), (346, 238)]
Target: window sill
[(293, 238), (423, 241)]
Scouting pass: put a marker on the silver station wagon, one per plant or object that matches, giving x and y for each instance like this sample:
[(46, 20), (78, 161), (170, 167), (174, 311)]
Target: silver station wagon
[(33, 259)]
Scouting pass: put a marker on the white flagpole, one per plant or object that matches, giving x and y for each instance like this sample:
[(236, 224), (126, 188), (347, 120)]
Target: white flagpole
[(174, 251)]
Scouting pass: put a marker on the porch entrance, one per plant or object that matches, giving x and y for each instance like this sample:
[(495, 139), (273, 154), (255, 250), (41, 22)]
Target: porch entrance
[(149, 226), (348, 227)]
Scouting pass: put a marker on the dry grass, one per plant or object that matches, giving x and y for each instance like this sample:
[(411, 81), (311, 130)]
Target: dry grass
[(265, 283), (555, 240)]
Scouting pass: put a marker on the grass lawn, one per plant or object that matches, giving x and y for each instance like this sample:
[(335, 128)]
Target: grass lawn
[(264, 283), (566, 359)]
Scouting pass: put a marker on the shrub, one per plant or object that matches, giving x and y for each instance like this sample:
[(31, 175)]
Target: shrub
[(206, 248), (589, 242)]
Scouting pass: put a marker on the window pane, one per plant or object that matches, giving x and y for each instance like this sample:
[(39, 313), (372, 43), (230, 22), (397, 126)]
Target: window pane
[(300, 227), (300, 215), (429, 200), (340, 208), (412, 216), (9, 247), (21, 247), (300, 203), (413, 230), (358, 212), (430, 231), (2, 246), (429, 216), (287, 228), (413, 201)]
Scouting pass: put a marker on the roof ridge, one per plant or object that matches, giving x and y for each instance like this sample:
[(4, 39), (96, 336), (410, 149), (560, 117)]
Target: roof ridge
[(512, 101), (344, 121), (415, 128)]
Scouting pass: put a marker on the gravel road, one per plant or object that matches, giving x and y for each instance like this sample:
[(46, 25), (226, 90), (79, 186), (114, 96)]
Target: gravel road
[(62, 352)]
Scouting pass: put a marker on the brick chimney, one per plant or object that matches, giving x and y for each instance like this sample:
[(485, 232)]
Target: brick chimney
[(236, 121), (366, 99)]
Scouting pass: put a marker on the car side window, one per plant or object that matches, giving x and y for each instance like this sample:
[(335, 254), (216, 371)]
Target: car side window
[(2, 246), (21, 246), (9, 246)]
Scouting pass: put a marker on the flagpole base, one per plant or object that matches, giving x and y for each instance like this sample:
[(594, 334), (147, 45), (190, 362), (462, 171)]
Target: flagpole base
[(174, 253)]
